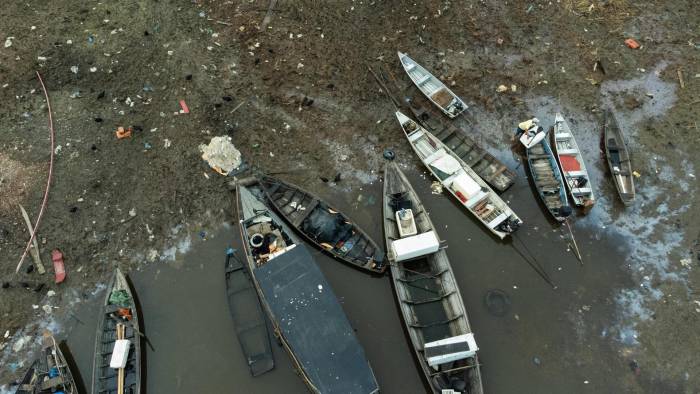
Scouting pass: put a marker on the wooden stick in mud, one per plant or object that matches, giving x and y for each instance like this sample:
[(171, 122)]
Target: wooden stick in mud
[(34, 251), (571, 233), (680, 78)]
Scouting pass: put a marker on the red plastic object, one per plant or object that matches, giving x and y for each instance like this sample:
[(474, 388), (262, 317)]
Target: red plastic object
[(569, 163), (632, 43), (184, 107), (461, 196), (58, 267)]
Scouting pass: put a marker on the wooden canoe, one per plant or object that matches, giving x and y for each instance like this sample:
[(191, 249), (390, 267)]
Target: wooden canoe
[(488, 167), (548, 180), (618, 158), (50, 372), (324, 226), (427, 292), (461, 181), (248, 317), (119, 308), (572, 165), (304, 312), (436, 91)]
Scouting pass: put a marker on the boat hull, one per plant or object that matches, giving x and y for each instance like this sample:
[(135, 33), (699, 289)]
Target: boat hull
[(427, 317)]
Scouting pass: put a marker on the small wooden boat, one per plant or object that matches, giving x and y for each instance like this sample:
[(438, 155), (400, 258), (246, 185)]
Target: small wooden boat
[(324, 226), (618, 158), (548, 180), (572, 165), (427, 292), (303, 310), (248, 317), (462, 182), (488, 167), (118, 341), (436, 91), (50, 372)]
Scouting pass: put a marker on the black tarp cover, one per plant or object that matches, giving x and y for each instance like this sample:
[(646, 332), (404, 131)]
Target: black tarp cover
[(314, 324)]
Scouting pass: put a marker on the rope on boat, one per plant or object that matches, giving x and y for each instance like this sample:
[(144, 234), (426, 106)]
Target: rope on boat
[(532, 261)]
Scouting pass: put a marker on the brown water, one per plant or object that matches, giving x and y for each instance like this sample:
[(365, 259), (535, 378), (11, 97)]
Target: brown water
[(550, 341)]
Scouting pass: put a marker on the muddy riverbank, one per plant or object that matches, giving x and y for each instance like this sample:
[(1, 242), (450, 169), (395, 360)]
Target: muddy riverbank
[(296, 97)]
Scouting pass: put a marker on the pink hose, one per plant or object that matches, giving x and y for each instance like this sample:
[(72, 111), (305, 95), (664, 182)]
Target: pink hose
[(48, 180)]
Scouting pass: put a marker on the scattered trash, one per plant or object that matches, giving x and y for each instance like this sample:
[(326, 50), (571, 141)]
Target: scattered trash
[(634, 366), (185, 109), (513, 88), (167, 143), (501, 88), (680, 78), (20, 343), (147, 146), (598, 66), (630, 42), (50, 293), (58, 266), (389, 154), (686, 263), (8, 42), (536, 360), (47, 308), (221, 155), (436, 187), (74, 69), (121, 133), (636, 174), (132, 212), (75, 94), (202, 234)]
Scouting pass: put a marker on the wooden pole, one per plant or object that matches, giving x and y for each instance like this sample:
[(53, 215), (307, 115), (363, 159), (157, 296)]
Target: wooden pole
[(120, 377), (34, 251), (571, 233)]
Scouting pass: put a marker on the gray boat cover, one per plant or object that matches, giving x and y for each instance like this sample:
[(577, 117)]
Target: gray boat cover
[(314, 325)]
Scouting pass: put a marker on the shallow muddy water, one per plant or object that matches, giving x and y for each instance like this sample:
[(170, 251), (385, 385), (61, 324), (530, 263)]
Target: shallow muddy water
[(547, 341)]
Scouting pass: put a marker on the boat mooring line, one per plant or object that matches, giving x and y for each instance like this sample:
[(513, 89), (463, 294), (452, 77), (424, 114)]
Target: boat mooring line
[(533, 263)]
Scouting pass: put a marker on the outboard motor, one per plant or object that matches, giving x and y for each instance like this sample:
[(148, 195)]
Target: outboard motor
[(565, 211), (509, 225)]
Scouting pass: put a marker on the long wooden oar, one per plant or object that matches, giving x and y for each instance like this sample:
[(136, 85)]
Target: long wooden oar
[(120, 375), (571, 233)]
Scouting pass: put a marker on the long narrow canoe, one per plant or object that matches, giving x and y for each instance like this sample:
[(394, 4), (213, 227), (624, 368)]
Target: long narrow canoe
[(119, 308), (618, 158), (548, 180), (50, 372), (572, 165), (436, 91), (304, 312), (488, 167), (324, 226), (462, 182), (427, 292), (248, 317)]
